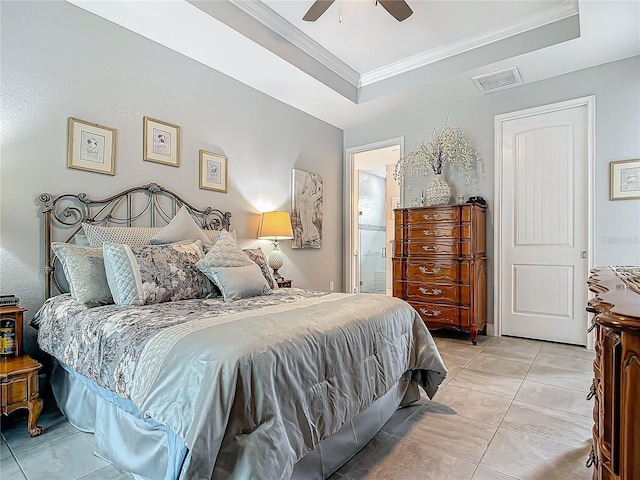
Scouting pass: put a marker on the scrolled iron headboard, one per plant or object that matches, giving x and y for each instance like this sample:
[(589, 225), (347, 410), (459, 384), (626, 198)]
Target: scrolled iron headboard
[(65, 214)]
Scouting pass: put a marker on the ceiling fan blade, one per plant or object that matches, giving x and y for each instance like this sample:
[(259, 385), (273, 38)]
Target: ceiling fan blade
[(398, 8), (317, 9)]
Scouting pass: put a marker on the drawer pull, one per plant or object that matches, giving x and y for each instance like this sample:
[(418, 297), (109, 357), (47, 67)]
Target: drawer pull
[(436, 232), (592, 458), (435, 248), (427, 313), (592, 390), (435, 291), (593, 324), (435, 216), (430, 272)]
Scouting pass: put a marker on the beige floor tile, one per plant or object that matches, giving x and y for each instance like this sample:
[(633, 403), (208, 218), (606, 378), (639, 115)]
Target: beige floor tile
[(4, 450), (556, 398), (560, 377), (499, 385), (518, 352), (531, 458), (402, 459), (584, 365), (567, 350), (400, 416), (365, 452), (483, 473), (452, 371), (460, 350), (108, 473), (450, 433), (500, 366), (561, 427), (54, 427), (470, 404), (9, 469), (451, 360)]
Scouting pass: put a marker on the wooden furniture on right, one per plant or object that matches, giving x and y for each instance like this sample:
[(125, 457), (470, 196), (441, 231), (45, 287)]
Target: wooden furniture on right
[(440, 265), (615, 453), (284, 283)]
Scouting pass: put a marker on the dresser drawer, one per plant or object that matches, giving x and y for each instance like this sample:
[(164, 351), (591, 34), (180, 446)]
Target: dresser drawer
[(433, 271), (436, 230), (435, 292), (443, 214), (437, 313), (434, 247)]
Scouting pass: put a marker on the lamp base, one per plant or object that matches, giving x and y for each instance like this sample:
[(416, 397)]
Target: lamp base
[(277, 276), (276, 260)]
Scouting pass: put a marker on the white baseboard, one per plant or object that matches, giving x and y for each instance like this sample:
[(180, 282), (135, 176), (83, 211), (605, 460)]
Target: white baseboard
[(490, 331)]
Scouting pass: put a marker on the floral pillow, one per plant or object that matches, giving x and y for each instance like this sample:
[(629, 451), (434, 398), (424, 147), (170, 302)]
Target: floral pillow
[(141, 275), (257, 255)]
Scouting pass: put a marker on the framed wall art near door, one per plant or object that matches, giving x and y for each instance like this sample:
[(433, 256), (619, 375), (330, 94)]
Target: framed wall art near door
[(214, 171), (161, 142), (91, 147), (306, 209), (625, 180)]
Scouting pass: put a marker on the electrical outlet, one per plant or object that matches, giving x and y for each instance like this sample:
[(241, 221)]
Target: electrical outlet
[(331, 286)]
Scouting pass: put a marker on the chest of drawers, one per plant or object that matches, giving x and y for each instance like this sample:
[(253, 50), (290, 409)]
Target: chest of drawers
[(440, 265)]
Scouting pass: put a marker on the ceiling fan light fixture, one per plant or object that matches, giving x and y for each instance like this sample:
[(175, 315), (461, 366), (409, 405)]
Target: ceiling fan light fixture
[(492, 82)]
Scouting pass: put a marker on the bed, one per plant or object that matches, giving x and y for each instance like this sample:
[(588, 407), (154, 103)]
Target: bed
[(226, 383)]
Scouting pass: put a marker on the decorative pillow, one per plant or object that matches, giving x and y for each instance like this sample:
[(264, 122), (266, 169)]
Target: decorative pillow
[(85, 273), (181, 227), (238, 282), (212, 236), (257, 256), (99, 235), (141, 275), (81, 240), (225, 253)]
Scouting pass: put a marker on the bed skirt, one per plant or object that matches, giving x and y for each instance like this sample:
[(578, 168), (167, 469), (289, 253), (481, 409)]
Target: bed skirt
[(150, 451)]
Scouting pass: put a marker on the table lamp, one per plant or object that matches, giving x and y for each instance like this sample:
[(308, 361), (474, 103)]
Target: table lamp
[(275, 226)]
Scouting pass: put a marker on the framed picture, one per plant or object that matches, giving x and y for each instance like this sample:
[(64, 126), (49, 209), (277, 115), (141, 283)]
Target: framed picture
[(161, 142), (625, 180), (214, 172), (306, 209), (92, 147)]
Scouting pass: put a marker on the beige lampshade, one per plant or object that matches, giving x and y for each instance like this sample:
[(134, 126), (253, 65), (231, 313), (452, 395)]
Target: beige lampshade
[(275, 226)]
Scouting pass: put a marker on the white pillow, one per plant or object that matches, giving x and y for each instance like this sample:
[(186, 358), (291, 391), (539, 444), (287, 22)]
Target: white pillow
[(181, 227), (226, 253), (98, 235), (238, 282)]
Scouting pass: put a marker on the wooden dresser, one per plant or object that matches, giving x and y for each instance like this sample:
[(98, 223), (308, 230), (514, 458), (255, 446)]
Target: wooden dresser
[(616, 385), (440, 265)]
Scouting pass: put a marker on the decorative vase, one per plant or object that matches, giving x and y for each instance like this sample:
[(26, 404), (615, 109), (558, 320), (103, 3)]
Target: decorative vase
[(438, 192)]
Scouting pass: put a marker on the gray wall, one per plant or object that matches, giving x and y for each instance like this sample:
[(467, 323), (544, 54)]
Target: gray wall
[(59, 61), (617, 90)]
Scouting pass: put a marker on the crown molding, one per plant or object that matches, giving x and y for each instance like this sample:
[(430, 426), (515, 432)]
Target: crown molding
[(559, 12), (296, 37)]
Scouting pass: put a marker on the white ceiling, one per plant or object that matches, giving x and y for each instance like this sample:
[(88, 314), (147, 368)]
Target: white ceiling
[(345, 72)]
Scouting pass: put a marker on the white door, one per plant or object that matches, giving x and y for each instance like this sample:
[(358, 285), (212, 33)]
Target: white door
[(544, 224)]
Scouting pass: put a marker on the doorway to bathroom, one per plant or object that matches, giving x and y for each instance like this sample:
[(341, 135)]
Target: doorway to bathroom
[(371, 194)]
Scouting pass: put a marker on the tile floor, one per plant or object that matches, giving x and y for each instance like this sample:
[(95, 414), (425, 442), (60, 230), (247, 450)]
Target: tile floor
[(509, 409)]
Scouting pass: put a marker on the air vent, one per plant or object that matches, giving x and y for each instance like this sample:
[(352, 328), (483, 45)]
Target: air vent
[(492, 82)]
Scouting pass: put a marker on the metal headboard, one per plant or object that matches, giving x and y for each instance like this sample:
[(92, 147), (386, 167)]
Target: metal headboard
[(144, 206)]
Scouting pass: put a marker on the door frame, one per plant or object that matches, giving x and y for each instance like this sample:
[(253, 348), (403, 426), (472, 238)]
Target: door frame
[(590, 103), (349, 258)]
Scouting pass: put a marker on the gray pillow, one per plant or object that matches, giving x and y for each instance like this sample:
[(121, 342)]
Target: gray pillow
[(84, 269), (141, 275), (181, 227), (238, 282)]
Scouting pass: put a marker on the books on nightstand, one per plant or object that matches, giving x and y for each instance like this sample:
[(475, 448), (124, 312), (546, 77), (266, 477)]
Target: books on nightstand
[(9, 300)]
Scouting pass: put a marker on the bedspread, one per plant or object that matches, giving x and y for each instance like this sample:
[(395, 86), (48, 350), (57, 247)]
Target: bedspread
[(250, 390)]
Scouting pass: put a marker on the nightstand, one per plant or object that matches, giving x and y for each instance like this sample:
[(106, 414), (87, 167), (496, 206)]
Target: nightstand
[(284, 283), (19, 389)]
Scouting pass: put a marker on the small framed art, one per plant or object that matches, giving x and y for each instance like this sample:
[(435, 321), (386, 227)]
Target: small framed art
[(92, 147), (161, 142), (214, 172), (625, 180)]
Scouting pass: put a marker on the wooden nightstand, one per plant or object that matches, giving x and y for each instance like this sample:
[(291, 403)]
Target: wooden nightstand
[(19, 389), (284, 283)]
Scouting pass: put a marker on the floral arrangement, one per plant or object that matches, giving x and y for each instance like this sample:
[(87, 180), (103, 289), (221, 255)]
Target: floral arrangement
[(445, 147)]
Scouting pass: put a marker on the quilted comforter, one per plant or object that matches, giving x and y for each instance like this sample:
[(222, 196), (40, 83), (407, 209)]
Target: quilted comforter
[(252, 385)]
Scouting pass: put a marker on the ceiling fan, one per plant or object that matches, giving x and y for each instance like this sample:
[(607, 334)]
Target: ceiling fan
[(397, 8)]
